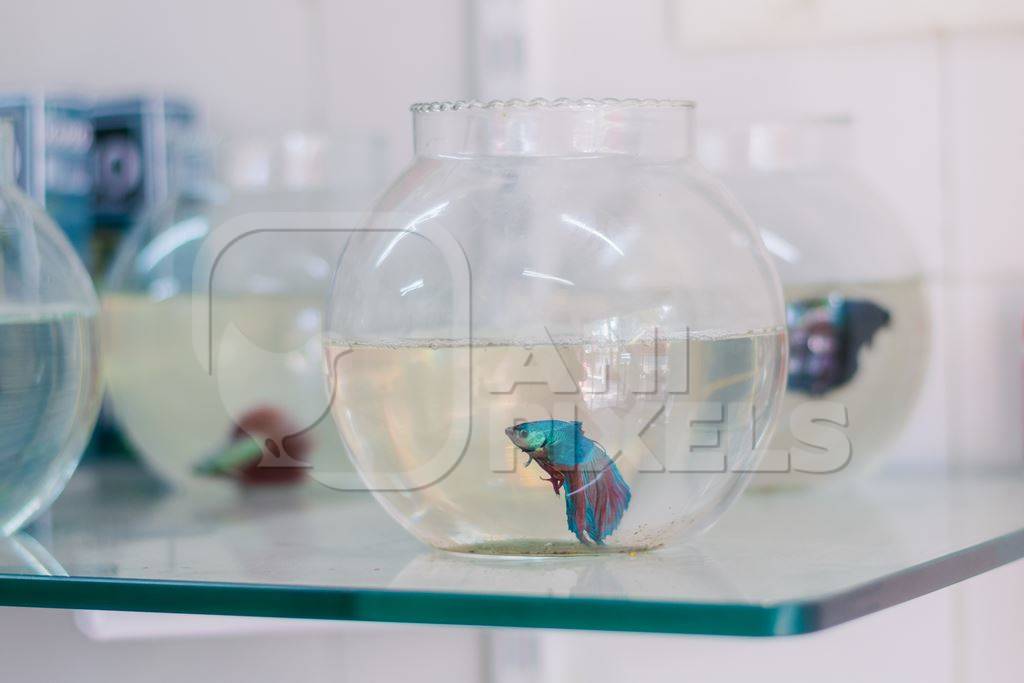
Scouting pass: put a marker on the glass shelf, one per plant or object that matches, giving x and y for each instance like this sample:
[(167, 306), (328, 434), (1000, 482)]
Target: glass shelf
[(777, 564)]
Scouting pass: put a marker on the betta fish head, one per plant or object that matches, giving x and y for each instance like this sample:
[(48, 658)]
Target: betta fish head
[(530, 436)]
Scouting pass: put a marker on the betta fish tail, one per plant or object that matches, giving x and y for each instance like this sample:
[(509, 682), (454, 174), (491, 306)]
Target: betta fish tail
[(596, 496)]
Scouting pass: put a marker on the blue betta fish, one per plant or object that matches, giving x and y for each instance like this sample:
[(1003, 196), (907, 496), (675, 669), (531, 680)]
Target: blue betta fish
[(596, 496)]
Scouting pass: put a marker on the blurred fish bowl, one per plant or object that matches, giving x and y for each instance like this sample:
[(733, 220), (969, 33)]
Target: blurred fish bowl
[(214, 360), (856, 308), (555, 334), (49, 353)]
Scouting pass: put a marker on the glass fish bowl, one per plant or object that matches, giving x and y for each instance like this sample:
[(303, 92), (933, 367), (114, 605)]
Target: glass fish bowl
[(214, 360), (555, 334), (858, 317), (49, 353)]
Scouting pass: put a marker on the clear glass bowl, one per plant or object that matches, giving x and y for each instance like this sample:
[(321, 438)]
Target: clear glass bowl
[(204, 347), (859, 322), (49, 367), (534, 333)]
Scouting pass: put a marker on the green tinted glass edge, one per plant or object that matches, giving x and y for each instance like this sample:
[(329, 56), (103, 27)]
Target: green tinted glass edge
[(308, 602)]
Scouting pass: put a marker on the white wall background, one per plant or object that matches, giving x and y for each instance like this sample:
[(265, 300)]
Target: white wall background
[(256, 67), (935, 90)]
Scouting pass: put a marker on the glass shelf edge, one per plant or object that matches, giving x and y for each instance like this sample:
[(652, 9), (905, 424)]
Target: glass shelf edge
[(511, 611), (395, 606)]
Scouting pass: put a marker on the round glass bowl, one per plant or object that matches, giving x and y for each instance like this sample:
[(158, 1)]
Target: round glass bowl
[(212, 312), (859, 323), (49, 366), (555, 334)]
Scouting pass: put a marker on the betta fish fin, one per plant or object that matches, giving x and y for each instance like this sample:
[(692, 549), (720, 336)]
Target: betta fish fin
[(863, 321), (596, 496)]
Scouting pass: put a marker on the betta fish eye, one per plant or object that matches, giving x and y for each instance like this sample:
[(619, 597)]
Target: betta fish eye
[(522, 434)]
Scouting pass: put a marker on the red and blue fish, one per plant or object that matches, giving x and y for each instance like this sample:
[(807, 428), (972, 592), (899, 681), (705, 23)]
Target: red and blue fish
[(596, 495)]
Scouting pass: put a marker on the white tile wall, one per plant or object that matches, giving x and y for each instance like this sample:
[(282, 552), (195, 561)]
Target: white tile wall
[(985, 137), (248, 68), (911, 642), (983, 332), (739, 24), (382, 56), (44, 646), (990, 627), (259, 66)]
